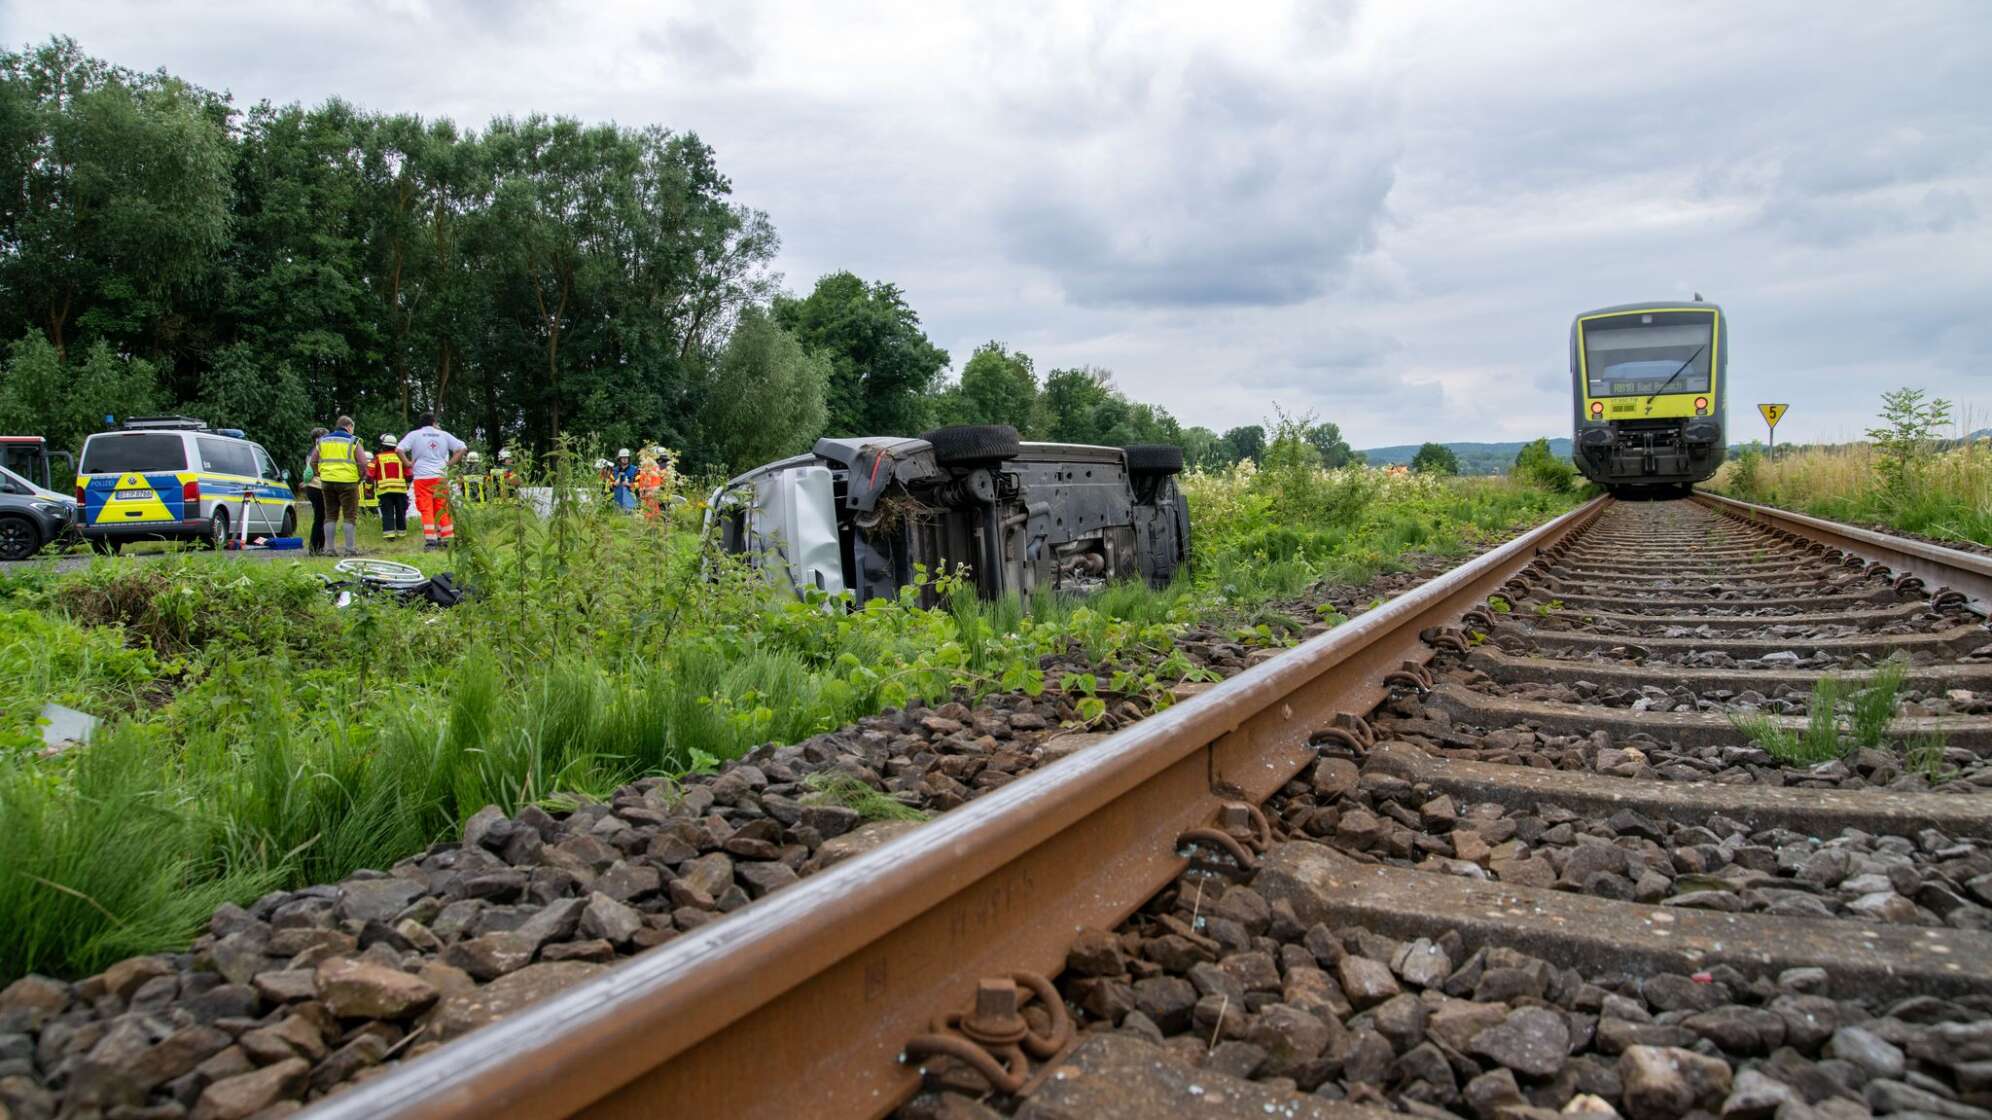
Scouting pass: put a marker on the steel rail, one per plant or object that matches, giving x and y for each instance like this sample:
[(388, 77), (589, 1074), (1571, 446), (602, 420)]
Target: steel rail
[(1938, 567), (801, 1003)]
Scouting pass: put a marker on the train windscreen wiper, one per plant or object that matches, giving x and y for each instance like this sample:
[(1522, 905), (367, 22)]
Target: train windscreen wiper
[(1676, 373)]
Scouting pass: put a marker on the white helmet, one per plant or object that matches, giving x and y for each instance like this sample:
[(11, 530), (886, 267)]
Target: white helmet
[(387, 440), (471, 458), (504, 454), (601, 464), (622, 453)]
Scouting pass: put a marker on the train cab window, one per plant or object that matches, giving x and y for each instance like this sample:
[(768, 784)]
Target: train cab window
[(1642, 353)]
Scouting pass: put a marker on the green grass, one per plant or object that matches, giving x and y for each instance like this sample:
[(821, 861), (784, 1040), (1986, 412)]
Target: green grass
[(1838, 722), (830, 788), (257, 736)]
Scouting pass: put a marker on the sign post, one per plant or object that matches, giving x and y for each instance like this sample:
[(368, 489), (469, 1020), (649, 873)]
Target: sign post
[(1772, 414)]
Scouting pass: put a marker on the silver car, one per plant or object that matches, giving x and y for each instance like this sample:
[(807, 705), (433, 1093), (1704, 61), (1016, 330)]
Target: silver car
[(867, 514), (30, 516)]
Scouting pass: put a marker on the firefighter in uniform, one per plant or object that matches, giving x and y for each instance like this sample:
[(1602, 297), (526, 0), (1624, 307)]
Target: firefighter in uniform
[(389, 477), (504, 481), (472, 479)]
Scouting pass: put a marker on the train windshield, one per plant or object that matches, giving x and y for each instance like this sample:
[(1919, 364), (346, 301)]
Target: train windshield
[(1647, 352)]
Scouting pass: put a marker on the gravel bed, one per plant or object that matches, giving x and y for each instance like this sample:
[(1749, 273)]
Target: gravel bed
[(1722, 659), (1930, 879), (1643, 756), (1780, 699), (1441, 1028)]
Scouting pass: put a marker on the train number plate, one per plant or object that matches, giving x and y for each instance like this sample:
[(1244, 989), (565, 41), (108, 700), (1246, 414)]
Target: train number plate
[(132, 495)]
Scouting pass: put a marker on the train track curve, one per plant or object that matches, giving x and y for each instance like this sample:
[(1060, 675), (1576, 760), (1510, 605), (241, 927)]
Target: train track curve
[(1527, 836)]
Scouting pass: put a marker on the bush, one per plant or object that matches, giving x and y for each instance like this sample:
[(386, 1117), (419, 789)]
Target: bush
[(1536, 465)]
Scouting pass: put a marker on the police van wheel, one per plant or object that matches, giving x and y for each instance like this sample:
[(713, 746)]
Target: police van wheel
[(218, 529), (289, 526), (19, 539)]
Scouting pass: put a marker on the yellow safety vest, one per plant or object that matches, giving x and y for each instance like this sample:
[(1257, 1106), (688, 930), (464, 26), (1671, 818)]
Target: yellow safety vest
[(337, 459)]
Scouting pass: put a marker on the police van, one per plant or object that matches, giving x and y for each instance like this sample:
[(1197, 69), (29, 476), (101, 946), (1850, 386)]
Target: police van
[(174, 478)]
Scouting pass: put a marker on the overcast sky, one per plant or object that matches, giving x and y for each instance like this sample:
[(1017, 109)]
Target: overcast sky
[(1386, 213)]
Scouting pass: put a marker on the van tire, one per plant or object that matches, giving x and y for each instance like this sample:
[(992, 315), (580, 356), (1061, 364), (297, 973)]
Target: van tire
[(106, 546), (19, 538), (217, 536), (1154, 458), (967, 444), (289, 526)]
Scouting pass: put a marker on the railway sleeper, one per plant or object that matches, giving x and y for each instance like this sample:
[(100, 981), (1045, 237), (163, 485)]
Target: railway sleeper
[(1686, 729), (1508, 668), (1954, 640)]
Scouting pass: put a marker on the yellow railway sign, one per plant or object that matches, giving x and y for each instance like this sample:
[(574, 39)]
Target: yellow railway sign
[(1773, 413)]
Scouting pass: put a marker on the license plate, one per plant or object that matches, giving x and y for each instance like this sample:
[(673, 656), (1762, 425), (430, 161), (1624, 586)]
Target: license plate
[(132, 495)]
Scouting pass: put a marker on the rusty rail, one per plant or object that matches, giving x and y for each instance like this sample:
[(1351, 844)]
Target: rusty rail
[(1969, 574), (801, 1004)]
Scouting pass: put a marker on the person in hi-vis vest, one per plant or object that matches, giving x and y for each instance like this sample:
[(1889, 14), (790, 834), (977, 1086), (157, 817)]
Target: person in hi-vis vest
[(340, 462), (390, 482)]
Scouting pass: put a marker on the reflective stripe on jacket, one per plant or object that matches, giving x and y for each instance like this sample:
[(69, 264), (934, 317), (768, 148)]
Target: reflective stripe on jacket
[(338, 460), (390, 472)]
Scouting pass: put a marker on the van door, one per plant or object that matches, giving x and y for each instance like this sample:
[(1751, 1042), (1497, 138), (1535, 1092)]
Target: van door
[(271, 505)]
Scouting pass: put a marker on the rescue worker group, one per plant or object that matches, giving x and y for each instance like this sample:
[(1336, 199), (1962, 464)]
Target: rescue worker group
[(429, 468)]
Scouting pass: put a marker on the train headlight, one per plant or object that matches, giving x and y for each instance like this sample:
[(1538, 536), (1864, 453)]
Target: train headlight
[(1701, 406), (1597, 409)]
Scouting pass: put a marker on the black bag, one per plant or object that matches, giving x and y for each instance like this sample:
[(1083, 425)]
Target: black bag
[(442, 590)]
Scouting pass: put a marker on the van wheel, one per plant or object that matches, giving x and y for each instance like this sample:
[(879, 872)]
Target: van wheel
[(289, 526), (218, 530), (964, 444), (19, 539), (1154, 458)]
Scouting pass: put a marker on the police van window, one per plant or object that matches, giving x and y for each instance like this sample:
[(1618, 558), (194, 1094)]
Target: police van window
[(125, 452), (227, 456), (264, 467)]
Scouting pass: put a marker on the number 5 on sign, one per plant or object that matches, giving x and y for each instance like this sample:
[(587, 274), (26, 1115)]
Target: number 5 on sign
[(1772, 414)]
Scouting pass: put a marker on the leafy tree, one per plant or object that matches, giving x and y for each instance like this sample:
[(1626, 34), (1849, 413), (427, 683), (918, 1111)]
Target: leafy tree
[(1435, 458), (1083, 406), (47, 394), (1906, 440), (764, 398), (882, 365), (1203, 449), (1248, 442), (117, 195), (295, 284), (269, 403), (1069, 408), (998, 386), (1335, 452), (1536, 465)]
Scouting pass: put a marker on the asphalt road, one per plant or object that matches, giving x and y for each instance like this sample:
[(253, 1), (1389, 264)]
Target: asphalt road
[(69, 562)]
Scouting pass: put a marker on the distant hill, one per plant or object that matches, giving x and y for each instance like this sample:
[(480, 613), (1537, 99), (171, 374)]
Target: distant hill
[(1474, 458)]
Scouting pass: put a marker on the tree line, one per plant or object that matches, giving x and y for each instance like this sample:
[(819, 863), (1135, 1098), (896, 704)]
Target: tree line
[(163, 250)]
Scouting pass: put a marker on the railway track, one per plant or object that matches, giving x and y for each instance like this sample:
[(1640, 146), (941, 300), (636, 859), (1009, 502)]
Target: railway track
[(1528, 836)]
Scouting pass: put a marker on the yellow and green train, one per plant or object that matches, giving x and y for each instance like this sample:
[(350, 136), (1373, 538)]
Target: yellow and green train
[(1650, 383)]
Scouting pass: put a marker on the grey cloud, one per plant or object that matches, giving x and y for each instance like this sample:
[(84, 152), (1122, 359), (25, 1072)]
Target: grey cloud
[(702, 47), (1384, 213)]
